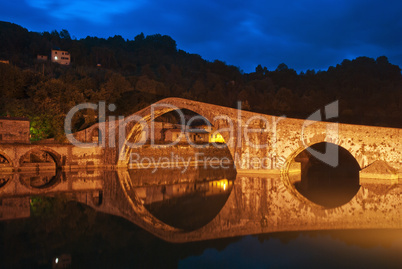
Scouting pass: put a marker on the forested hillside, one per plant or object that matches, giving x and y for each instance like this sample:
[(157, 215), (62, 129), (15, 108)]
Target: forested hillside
[(135, 73)]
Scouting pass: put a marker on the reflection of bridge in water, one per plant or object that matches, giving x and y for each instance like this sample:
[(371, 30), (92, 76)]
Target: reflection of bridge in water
[(222, 207)]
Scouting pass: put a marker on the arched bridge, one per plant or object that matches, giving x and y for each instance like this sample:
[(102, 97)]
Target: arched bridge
[(260, 142), (256, 141)]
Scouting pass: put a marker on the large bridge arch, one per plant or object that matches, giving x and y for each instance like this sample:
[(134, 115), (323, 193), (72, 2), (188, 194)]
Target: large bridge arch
[(133, 128)]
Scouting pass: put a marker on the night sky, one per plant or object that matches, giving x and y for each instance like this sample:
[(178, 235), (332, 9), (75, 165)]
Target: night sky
[(303, 34)]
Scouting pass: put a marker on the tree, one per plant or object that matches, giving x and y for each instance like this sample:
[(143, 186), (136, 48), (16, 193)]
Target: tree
[(259, 69), (64, 34), (281, 67), (139, 38)]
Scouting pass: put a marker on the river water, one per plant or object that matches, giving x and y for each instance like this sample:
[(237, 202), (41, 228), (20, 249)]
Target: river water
[(202, 218)]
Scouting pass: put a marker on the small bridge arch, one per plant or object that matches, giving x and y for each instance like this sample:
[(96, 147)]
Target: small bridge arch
[(327, 147), (320, 182), (56, 157), (366, 144), (5, 159)]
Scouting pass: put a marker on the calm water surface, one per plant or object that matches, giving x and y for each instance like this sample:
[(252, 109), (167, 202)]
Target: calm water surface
[(168, 219)]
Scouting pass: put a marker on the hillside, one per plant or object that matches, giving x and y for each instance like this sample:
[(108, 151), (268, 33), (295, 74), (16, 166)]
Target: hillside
[(135, 73)]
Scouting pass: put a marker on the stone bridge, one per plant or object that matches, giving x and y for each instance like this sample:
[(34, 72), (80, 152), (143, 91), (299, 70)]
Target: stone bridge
[(256, 142), (261, 142), (266, 147), (65, 156)]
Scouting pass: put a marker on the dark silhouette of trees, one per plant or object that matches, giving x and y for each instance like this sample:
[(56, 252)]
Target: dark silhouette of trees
[(135, 73)]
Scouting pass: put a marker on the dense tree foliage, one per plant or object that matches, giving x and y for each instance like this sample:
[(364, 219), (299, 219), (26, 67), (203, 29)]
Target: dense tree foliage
[(135, 73)]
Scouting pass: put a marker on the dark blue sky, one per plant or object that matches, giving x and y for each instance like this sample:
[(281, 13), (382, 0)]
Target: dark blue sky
[(303, 34)]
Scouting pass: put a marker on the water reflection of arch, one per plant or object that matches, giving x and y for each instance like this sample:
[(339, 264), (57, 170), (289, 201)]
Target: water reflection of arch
[(158, 225), (5, 179), (141, 216), (41, 181), (187, 201), (314, 171)]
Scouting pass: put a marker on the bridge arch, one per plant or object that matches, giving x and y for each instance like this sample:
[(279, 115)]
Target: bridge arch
[(297, 150), (145, 116), (5, 157), (318, 181), (56, 157)]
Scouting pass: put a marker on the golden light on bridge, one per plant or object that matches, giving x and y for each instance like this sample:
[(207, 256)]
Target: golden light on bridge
[(216, 138)]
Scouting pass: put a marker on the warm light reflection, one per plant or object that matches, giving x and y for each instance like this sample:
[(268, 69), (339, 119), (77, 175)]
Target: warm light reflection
[(216, 138), (223, 183)]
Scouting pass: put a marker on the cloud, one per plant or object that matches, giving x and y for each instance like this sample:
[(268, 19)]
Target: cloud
[(97, 11)]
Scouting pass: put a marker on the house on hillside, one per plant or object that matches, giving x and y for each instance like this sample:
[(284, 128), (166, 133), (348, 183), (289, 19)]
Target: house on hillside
[(60, 57)]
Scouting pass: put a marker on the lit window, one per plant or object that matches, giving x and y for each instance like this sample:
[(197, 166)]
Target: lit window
[(55, 57)]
